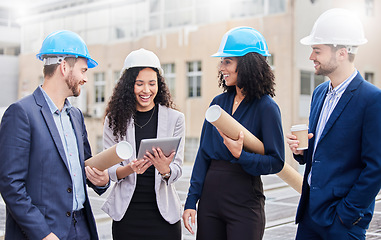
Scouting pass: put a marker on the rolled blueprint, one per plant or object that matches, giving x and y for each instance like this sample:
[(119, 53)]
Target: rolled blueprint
[(111, 156), (231, 128)]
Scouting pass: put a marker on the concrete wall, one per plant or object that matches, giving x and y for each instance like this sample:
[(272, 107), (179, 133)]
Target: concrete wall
[(9, 70)]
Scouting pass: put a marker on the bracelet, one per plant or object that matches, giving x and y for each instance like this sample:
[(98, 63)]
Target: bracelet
[(167, 175)]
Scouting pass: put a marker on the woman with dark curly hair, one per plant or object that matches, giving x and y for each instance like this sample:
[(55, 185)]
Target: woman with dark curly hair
[(226, 179), (143, 202)]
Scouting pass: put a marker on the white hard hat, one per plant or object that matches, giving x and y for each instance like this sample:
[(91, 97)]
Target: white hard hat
[(142, 58), (338, 27)]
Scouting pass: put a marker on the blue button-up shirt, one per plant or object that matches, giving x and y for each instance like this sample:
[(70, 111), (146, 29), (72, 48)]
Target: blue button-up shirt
[(330, 102), (69, 142)]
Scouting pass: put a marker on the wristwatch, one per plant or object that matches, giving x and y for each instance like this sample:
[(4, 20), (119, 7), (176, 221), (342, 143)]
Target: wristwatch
[(166, 176)]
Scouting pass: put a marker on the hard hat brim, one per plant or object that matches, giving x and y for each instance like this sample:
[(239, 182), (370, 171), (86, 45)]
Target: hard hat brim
[(241, 53), (91, 63), (310, 40), (222, 54)]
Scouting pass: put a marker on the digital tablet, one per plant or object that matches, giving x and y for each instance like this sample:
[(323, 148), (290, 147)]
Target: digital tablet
[(167, 145)]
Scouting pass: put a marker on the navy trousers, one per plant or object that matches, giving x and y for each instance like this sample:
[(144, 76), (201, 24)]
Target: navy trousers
[(310, 230), (79, 229)]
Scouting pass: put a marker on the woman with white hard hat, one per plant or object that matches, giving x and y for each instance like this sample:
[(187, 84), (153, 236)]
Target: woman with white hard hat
[(226, 180), (143, 202)]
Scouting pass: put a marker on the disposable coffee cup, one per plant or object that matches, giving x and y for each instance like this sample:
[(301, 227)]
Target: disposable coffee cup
[(301, 133)]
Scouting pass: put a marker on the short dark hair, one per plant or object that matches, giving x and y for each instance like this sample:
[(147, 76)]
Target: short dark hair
[(50, 69), (254, 77), (351, 56)]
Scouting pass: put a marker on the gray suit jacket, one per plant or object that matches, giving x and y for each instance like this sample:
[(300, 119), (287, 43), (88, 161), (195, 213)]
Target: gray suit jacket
[(170, 123)]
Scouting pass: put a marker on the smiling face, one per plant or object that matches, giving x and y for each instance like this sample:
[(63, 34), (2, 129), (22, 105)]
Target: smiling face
[(76, 77), (324, 59), (145, 89), (228, 68)]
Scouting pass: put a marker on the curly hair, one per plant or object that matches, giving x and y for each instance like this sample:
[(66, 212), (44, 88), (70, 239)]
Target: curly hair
[(122, 105), (254, 77)]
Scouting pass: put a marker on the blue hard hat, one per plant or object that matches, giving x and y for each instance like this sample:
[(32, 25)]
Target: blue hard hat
[(242, 40), (63, 43)]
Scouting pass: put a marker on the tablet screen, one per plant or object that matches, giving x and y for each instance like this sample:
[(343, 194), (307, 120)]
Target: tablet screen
[(167, 145)]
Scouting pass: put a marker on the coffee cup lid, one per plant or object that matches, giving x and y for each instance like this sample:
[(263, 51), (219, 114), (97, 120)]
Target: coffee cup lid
[(299, 127)]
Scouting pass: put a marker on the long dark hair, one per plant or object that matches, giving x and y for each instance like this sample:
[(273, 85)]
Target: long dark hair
[(254, 77), (122, 105)]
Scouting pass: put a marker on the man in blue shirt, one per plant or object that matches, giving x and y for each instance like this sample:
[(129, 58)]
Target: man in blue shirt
[(43, 148), (343, 161)]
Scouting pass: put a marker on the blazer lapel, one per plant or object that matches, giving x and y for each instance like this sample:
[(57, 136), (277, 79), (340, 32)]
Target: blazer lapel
[(47, 115), (344, 100), (316, 112), (162, 130), (78, 135)]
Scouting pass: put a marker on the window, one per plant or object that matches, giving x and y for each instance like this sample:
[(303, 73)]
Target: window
[(308, 82), (155, 9), (81, 102), (99, 144), (41, 80), (369, 76), (369, 7), (100, 84), (127, 26), (170, 13), (194, 78), (275, 6), (191, 148), (170, 77), (117, 75), (248, 8), (119, 33), (270, 61)]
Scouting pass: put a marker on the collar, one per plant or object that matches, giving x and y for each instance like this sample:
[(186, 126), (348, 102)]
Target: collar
[(53, 108), (342, 86)]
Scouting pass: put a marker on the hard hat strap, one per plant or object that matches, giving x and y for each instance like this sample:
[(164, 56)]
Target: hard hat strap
[(352, 49), (49, 60)]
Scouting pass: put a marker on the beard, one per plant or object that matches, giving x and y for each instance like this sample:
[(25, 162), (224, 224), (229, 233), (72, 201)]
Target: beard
[(73, 85), (328, 68)]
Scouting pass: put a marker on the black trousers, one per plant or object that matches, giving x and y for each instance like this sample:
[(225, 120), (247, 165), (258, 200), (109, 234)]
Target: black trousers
[(231, 205), (145, 224)]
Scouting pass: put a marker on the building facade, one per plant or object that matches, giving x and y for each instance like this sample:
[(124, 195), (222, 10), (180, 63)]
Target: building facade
[(10, 40), (184, 34)]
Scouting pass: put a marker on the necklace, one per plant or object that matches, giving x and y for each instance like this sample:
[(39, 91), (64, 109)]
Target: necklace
[(236, 101), (142, 126)]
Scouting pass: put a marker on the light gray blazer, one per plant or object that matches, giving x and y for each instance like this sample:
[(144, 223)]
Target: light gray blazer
[(170, 123)]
